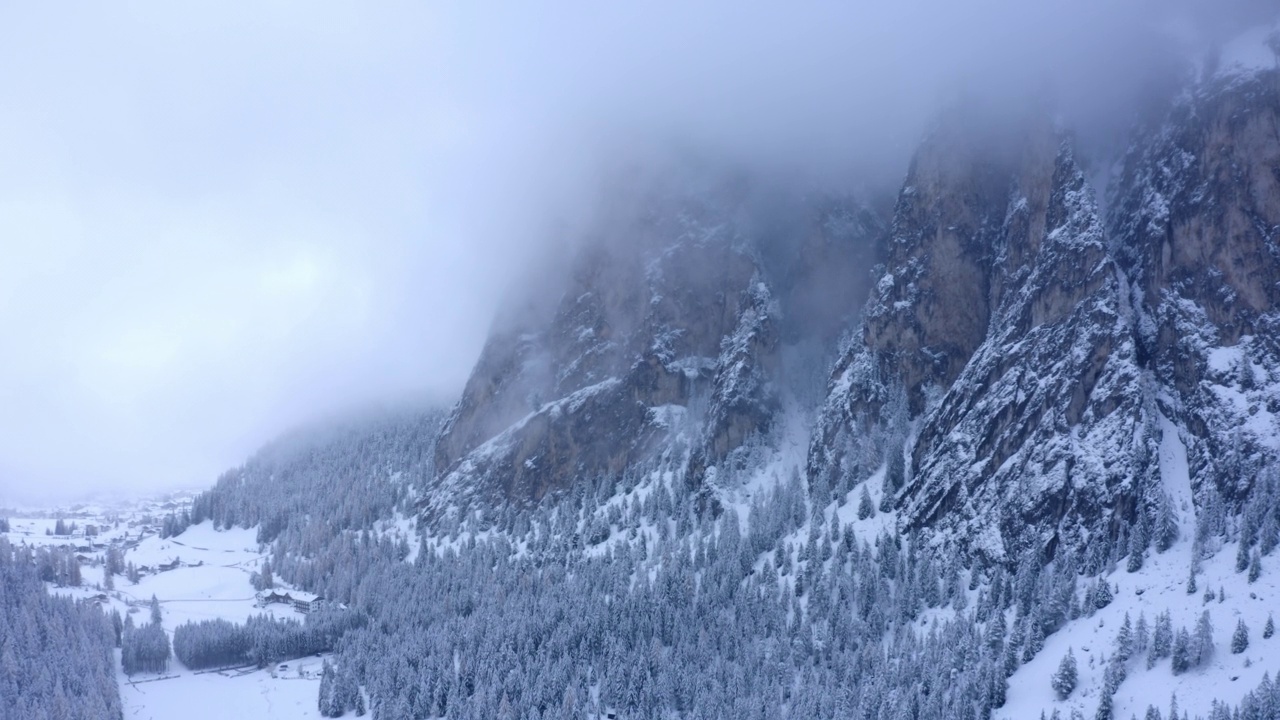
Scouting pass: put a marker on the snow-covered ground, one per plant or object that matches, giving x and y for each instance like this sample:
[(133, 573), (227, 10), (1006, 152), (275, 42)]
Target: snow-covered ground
[(1160, 585), (219, 696), (211, 581)]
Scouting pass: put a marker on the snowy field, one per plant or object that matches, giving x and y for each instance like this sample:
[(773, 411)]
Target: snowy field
[(212, 581), (1161, 585)]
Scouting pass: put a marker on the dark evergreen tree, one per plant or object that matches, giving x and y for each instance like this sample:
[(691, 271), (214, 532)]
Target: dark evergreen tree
[(155, 610), (1065, 679), (55, 653), (1202, 641), (1240, 638), (1104, 707), (1166, 525), (1181, 652), (866, 508), (1138, 543)]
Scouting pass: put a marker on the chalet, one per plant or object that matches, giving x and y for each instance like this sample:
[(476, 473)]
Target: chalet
[(305, 602), (172, 565), (268, 597)]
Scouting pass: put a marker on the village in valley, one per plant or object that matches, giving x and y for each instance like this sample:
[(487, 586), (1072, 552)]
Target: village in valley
[(201, 574)]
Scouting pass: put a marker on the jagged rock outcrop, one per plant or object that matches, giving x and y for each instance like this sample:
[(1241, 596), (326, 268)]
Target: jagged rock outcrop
[(664, 345), (1022, 365), (1000, 328), (1025, 356), (1196, 221)]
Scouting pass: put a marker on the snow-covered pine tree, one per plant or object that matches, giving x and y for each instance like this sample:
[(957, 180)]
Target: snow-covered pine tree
[(1141, 634), (1181, 652), (1138, 543), (1102, 595), (1161, 639), (1105, 711), (1240, 638), (1064, 680), (1202, 641), (866, 508), (1124, 640), (1166, 525)]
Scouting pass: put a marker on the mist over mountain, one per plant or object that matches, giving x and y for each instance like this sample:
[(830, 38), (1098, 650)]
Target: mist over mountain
[(911, 360), (224, 224)]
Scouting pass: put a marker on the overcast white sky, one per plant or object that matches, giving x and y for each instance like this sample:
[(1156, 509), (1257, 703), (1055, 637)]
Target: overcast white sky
[(220, 219)]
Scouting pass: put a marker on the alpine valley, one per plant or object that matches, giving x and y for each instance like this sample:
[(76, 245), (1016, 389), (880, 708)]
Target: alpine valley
[(1002, 441)]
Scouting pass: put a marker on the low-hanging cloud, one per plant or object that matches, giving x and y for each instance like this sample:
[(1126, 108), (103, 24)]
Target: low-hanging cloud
[(220, 220)]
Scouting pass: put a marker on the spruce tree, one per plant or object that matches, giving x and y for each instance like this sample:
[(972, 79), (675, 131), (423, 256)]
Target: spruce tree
[(1181, 652), (1269, 629), (1138, 544), (1102, 595), (1065, 679), (1161, 638), (1202, 642), (1104, 707), (866, 508), (1166, 523), (1124, 640), (1141, 634), (1240, 638)]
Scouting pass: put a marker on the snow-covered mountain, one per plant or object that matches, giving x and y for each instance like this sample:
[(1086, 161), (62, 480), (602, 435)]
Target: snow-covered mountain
[(1042, 350), (683, 327), (1022, 350), (1002, 444)]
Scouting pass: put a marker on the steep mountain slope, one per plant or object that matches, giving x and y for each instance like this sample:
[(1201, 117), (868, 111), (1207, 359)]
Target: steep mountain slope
[(1196, 224), (664, 347), (1003, 325), (1053, 412), (1034, 353), (348, 473)]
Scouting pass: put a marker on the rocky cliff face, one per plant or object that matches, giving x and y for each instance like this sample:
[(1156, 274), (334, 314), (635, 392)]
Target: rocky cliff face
[(1025, 355), (1023, 361), (1001, 332), (663, 347), (1196, 222)]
